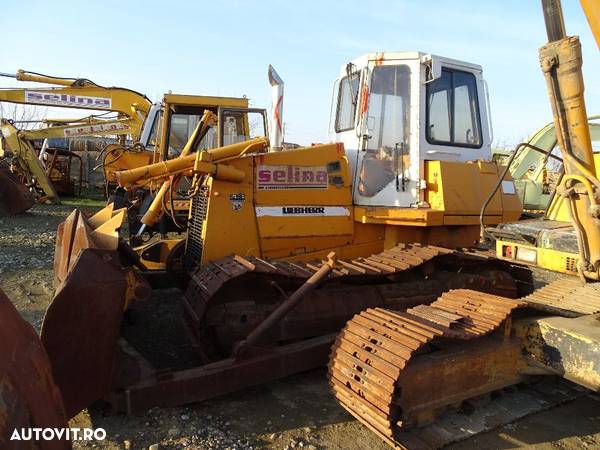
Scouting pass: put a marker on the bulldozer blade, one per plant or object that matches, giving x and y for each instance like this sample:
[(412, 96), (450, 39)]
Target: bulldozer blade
[(81, 327), (77, 233), (14, 196), (28, 396)]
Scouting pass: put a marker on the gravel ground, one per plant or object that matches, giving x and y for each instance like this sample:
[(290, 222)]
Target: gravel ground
[(298, 412)]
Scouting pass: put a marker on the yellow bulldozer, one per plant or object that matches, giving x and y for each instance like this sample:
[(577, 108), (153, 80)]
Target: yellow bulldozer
[(374, 233), (377, 218)]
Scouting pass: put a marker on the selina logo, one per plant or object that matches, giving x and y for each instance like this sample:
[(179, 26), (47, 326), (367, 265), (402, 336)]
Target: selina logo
[(82, 101), (50, 434), (91, 129), (292, 177)]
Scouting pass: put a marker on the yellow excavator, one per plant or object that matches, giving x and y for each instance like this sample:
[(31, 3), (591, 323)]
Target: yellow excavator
[(536, 167), (40, 172), (16, 145), (162, 136), (81, 93)]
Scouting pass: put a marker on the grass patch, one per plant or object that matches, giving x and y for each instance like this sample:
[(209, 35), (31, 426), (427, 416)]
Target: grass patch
[(82, 201)]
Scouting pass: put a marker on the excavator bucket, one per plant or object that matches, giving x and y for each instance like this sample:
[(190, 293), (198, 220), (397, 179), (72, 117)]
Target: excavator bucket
[(28, 396), (93, 289), (14, 196)]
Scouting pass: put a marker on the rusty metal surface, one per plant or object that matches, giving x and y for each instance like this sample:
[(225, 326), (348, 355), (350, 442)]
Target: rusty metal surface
[(77, 233), (227, 298), (567, 297), (71, 233), (81, 327), (385, 366), (28, 395), (14, 196), (221, 377), (566, 346)]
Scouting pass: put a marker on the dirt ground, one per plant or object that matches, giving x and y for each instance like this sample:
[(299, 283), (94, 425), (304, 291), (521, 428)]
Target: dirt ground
[(298, 412)]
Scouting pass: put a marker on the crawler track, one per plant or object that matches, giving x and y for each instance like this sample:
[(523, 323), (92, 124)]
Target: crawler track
[(227, 298), (394, 370), (567, 297)]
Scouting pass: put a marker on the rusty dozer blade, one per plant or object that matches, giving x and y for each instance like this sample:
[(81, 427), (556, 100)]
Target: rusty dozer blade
[(14, 196), (93, 289), (28, 395), (77, 233)]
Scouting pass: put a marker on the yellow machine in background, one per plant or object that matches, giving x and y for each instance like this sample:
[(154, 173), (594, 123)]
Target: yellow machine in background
[(167, 129), (131, 108), (80, 93), (550, 243), (17, 147), (567, 239), (537, 166), (168, 134)]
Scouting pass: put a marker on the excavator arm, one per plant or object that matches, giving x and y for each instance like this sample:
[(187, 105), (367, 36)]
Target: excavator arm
[(131, 108), (80, 94), (80, 127), (17, 145), (25, 158), (561, 63)]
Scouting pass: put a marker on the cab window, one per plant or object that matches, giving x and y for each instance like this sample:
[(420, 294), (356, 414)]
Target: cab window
[(387, 156), (240, 126), (453, 110), (346, 103), (180, 129), (155, 131)]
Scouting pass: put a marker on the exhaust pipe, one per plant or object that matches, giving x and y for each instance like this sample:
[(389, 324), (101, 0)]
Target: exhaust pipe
[(276, 137)]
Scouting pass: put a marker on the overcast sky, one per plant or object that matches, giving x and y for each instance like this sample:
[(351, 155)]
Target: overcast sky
[(224, 48)]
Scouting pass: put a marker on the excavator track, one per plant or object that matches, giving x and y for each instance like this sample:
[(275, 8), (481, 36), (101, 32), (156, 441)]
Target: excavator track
[(396, 370), (227, 298)]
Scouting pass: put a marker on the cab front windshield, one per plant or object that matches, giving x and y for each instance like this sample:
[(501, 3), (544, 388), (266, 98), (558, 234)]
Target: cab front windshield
[(181, 126), (388, 124)]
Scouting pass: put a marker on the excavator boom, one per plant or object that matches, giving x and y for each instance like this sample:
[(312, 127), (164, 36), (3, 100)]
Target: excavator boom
[(79, 94), (131, 108)]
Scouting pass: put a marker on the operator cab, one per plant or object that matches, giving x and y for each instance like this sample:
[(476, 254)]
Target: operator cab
[(171, 122), (394, 111)]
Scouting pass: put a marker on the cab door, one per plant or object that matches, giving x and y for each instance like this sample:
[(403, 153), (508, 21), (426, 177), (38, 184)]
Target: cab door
[(387, 169)]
